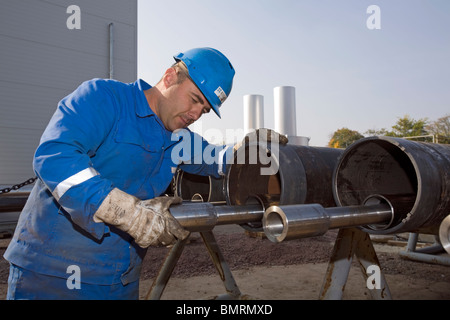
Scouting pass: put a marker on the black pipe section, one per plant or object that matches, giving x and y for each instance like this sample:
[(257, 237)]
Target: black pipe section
[(301, 175), (190, 186), (413, 176)]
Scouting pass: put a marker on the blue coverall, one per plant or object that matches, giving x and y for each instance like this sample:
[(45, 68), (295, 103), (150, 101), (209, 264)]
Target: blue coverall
[(102, 136)]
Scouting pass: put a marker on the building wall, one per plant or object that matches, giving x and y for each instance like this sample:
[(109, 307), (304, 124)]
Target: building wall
[(42, 60)]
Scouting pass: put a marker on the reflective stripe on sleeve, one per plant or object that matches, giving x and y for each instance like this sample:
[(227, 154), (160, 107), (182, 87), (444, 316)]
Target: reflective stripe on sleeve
[(74, 180)]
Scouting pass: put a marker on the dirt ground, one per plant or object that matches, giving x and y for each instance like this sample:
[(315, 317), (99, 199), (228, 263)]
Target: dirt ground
[(292, 270)]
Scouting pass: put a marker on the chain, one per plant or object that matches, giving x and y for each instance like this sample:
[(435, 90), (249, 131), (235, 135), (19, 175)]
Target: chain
[(18, 186)]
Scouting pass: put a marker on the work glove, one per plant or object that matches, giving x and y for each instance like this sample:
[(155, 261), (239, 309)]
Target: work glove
[(270, 135), (262, 134), (149, 222)]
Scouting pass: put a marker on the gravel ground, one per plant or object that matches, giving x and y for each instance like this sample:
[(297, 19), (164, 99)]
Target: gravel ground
[(243, 252)]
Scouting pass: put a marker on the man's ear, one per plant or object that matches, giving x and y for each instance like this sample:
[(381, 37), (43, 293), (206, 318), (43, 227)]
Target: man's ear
[(170, 77)]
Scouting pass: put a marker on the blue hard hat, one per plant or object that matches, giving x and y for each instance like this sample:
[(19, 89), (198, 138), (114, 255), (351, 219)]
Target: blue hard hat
[(211, 72)]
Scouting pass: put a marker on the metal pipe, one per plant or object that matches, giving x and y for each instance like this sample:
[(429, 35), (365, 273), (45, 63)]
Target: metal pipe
[(13, 202), (302, 174), (299, 141), (424, 257), (253, 112), (425, 254), (344, 217), (238, 214), (412, 175), (444, 234), (431, 249), (309, 220), (284, 111), (190, 186), (204, 216)]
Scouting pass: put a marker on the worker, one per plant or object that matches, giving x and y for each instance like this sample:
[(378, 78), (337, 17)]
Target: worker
[(103, 162)]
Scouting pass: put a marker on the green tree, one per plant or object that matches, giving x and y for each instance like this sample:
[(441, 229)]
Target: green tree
[(408, 127), (404, 127), (344, 137)]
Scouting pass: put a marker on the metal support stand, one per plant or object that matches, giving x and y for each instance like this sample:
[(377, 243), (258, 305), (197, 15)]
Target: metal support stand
[(352, 242), (428, 254), (349, 242), (159, 284)]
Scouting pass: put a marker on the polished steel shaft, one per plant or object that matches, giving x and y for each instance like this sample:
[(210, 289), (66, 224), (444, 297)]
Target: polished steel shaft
[(287, 221), (204, 216), (298, 221)]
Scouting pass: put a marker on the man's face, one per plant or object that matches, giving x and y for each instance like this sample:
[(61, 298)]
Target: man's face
[(183, 105)]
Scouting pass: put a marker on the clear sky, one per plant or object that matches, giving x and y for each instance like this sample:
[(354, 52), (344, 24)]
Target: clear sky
[(345, 74)]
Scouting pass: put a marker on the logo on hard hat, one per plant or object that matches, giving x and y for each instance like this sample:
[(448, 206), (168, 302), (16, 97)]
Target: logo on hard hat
[(221, 94)]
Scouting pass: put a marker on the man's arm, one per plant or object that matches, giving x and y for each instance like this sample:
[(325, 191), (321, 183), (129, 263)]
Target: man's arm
[(62, 161)]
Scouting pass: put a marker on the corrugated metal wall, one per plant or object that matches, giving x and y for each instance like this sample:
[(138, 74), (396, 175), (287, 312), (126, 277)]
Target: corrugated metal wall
[(41, 61)]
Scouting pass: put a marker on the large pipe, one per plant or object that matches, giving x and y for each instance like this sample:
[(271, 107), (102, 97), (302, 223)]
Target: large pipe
[(414, 176), (285, 115), (253, 112), (300, 174), (309, 220), (190, 186), (204, 216), (284, 111)]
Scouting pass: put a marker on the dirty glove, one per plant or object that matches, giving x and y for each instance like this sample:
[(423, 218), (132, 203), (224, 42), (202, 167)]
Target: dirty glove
[(269, 135), (262, 134), (149, 222)]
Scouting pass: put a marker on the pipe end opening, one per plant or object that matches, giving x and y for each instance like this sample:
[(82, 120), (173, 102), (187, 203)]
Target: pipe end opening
[(274, 224), (378, 199), (378, 166)]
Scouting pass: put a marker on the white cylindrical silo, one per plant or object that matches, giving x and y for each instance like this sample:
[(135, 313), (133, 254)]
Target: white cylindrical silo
[(253, 112), (284, 111)]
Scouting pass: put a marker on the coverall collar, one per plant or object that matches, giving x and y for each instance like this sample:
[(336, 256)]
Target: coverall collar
[(143, 110)]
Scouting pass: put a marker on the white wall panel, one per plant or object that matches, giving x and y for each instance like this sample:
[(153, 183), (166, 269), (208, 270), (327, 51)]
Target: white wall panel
[(41, 61)]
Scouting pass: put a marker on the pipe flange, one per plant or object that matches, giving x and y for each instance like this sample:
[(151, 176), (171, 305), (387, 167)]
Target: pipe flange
[(444, 234)]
